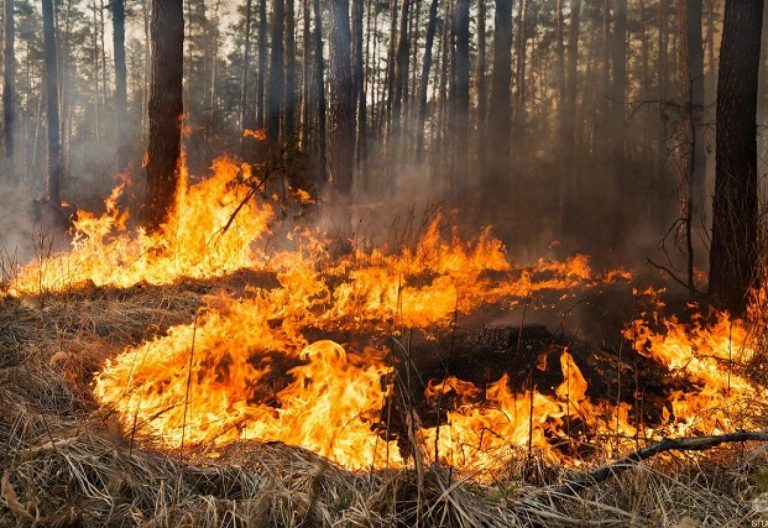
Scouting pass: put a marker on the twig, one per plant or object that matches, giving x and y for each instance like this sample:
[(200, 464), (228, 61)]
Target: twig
[(189, 381), (673, 276), (694, 443)]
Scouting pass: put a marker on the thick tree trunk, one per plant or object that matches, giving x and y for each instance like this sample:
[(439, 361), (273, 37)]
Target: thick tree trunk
[(424, 84), (9, 81), (734, 252), (166, 110), (52, 99), (121, 98), (342, 101)]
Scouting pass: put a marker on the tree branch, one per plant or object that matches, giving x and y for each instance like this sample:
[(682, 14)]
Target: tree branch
[(694, 443), (673, 276)]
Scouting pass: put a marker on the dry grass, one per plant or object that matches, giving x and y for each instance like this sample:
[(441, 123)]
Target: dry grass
[(65, 462)]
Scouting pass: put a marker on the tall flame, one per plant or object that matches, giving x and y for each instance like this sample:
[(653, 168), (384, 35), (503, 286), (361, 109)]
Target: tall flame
[(244, 369), (191, 244)]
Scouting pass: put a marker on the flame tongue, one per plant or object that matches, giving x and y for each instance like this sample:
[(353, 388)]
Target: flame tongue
[(244, 368)]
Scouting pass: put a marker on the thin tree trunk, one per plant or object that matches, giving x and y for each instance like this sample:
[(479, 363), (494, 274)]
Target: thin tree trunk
[(389, 75), (289, 128), (500, 119), (166, 109), (262, 73), (320, 96), (245, 108), (103, 53), (617, 117), (560, 76), (690, 101), (121, 97), (734, 251), (480, 76), (306, 78), (460, 96), (397, 136), (660, 184), (52, 98), (96, 64), (147, 70), (568, 194), (522, 39), (359, 76), (426, 64), (276, 89), (9, 82)]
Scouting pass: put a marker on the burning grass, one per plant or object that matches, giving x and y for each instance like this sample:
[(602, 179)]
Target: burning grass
[(215, 374), (67, 461)]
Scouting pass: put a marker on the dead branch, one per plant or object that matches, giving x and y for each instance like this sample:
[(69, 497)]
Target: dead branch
[(673, 276), (694, 443)]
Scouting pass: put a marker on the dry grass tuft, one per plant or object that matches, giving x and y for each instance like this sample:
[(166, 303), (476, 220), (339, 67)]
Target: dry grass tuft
[(65, 462)]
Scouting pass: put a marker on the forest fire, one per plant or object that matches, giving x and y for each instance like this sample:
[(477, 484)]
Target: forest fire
[(445, 264), (245, 368)]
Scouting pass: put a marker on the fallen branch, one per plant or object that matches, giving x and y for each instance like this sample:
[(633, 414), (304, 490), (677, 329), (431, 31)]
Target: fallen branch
[(694, 443)]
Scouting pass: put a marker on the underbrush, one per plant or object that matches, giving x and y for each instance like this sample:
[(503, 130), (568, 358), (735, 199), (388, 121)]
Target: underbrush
[(66, 462)]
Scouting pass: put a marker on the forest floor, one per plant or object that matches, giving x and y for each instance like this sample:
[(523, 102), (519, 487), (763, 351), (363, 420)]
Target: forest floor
[(66, 462)]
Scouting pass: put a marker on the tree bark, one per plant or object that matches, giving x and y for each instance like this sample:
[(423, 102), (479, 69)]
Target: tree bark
[(52, 99), (480, 76), (617, 118), (359, 76), (460, 96), (500, 119), (121, 97), (262, 73), (166, 110), (560, 77), (245, 103), (276, 88), (289, 127), (400, 83), (734, 251), (320, 96), (342, 101), (569, 198), (522, 40), (9, 81), (426, 65), (306, 78), (690, 101)]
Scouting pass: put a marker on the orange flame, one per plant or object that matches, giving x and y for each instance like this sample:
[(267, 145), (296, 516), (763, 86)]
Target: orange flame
[(245, 370)]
